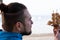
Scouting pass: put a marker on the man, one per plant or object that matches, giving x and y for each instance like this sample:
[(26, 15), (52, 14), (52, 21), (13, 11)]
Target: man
[(16, 21)]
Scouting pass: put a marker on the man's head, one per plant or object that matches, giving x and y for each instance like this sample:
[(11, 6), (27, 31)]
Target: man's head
[(16, 18)]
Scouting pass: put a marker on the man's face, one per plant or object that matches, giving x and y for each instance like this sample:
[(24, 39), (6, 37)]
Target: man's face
[(28, 23)]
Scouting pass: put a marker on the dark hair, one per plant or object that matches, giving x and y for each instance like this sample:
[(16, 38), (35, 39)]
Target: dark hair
[(11, 15)]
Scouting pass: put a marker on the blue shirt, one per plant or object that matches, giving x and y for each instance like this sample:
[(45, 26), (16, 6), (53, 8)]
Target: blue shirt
[(10, 36)]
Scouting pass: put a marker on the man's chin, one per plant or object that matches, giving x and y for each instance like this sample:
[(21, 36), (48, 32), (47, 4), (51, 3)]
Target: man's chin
[(25, 33)]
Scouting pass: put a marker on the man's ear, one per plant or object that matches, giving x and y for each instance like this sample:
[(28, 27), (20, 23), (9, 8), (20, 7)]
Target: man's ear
[(18, 26)]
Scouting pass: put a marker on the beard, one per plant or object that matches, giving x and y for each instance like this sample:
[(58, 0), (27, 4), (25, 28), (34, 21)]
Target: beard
[(26, 33)]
